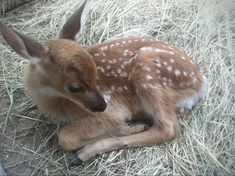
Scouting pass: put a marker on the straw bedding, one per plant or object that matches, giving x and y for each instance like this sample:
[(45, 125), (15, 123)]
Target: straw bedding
[(203, 29)]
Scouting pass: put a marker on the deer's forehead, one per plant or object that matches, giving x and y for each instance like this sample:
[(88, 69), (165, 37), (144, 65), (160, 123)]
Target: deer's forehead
[(71, 56), (64, 48)]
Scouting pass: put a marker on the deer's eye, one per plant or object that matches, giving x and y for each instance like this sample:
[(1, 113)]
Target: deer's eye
[(74, 88)]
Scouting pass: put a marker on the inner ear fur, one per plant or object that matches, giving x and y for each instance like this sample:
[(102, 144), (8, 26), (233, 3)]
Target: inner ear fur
[(23, 45), (73, 25)]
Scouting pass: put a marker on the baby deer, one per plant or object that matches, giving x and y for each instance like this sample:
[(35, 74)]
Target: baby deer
[(120, 93)]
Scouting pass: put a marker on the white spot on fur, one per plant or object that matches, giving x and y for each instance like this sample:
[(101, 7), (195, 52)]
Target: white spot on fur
[(194, 80), (154, 86), (123, 74), (164, 83), (144, 86), (119, 71), (108, 67), (112, 72), (163, 51), (169, 68), (164, 78), (125, 54), (172, 60), (165, 63), (101, 69), (148, 77), (192, 74), (147, 69), (177, 72), (159, 65), (185, 73), (146, 49)]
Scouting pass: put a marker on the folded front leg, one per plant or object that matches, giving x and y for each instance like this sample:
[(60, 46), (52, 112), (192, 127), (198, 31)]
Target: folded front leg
[(92, 128), (164, 129)]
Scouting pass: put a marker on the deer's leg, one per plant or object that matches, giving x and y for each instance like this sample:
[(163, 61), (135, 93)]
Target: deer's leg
[(75, 136), (92, 128), (84, 131), (165, 128)]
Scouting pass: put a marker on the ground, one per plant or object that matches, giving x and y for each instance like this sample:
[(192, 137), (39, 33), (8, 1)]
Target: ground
[(203, 29)]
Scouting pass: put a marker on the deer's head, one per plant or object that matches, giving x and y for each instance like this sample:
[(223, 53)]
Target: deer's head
[(65, 66)]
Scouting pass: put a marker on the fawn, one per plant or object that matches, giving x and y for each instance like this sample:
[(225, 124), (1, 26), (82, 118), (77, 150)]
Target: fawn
[(126, 92)]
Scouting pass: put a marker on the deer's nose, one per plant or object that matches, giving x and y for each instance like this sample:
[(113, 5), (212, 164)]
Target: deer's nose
[(100, 106)]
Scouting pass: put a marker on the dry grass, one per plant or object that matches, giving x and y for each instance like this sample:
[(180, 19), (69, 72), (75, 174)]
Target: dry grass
[(204, 29)]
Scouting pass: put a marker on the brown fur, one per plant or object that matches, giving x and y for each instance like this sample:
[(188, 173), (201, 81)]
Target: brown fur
[(144, 82)]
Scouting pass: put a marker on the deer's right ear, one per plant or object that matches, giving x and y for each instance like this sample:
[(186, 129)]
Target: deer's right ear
[(74, 24), (23, 45)]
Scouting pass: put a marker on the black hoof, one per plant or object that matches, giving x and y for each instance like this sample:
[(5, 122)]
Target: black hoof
[(76, 161)]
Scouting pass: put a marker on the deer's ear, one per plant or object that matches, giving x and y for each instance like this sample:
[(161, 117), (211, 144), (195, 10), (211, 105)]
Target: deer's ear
[(23, 45), (74, 24)]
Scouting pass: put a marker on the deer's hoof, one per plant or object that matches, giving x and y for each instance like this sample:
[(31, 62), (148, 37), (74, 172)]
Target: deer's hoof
[(76, 161)]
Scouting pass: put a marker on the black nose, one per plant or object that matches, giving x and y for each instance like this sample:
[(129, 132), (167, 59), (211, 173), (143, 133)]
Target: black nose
[(100, 107)]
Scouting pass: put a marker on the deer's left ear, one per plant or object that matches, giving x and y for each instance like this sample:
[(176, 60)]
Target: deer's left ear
[(23, 45), (74, 24)]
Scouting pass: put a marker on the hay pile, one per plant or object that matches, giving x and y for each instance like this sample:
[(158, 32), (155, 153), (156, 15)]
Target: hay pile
[(204, 29), (7, 5)]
